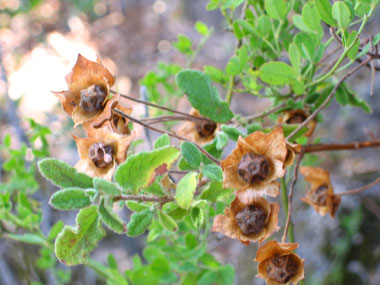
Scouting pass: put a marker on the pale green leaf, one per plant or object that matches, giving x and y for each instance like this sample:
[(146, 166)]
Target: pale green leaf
[(197, 216), (277, 73), (185, 190), (111, 219), (215, 192), (310, 15), (163, 140), (106, 187), (168, 222), (136, 206), (324, 9), (341, 13), (276, 9), (28, 238), (69, 199)]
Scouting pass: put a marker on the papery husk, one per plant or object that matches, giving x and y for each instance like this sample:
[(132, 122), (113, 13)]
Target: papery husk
[(288, 114), (84, 74), (273, 248), (273, 147), (292, 149), (189, 131), (318, 177), (227, 225), (119, 143)]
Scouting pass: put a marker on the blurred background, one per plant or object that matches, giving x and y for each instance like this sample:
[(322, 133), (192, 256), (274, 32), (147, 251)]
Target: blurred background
[(138, 41)]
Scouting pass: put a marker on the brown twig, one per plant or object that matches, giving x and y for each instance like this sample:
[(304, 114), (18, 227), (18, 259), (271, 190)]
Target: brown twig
[(265, 113), (358, 190), (161, 107), (290, 196), (143, 198), (165, 132), (161, 119), (331, 95), (332, 147), (373, 71)]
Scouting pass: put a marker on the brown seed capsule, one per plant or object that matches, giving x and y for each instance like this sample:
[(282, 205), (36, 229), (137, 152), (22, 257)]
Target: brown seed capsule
[(101, 155), (253, 168), (92, 98), (319, 196), (296, 119), (281, 268), (205, 128), (251, 220)]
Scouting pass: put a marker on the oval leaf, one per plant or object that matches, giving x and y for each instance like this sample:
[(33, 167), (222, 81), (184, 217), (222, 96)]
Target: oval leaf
[(139, 222), (167, 221), (213, 172), (341, 13), (277, 73), (191, 154), (110, 219), (70, 199), (185, 190), (276, 9), (324, 9), (106, 187)]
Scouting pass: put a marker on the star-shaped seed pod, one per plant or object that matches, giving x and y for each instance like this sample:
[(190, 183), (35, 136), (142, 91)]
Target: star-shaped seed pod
[(99, 155), (89, 84), (321, 193), (296, 117), (278, 265), (200, 131), (255, 164), (251, 222), (109, 120)]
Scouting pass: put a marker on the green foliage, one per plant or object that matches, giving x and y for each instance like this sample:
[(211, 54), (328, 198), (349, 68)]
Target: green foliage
[(111, 219), (185, 190), (70, 199), (191, 154), (213, 172), (163, 140), (276, 9), (201, 94), (73, 244), (144, 164), (277, 73), (139, 222), (167, 221), (106, 187)]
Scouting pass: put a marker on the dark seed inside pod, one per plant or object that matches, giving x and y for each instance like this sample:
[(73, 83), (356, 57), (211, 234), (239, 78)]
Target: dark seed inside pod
[(120, 124), (251, 219), (319, 196), (253, 168), (92, 98), (296, 119), (101, 155), (205, 128), (281, 268)]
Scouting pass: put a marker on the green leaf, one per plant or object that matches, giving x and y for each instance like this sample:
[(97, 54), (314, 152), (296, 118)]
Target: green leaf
[(215, 192), (232, 132), (7, 140), (139, 222), (310, 15), (106, 187), (184, 45), (295, 57), (55, 230), (143, 164), (136, 206), (73, 244), (197, 216), (63, 175), (167, 221), (264, 26), (163, 140), (216, 74), (70, 199), (354, 50), (224, 275), (341, 13), (325, 11), (306, 44), (233, 66), (185, 190), (191, 154), (213, 172), (221, 140), (178, 213), (201, 28), (276, 9), (201, 95), (277, 73), (28, 238), (155, 188), (110, 219)]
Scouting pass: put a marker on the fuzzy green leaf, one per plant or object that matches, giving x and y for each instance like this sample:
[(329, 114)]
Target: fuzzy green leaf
[(111, 219), (277, 73), (191, 154), (28, 238), (167, 221), (55, 230), (136, 206), (185, 190), (138, 169), (63, 175), (232, 132), (197, 216), (295, 57), (73, 244), (213, 172), (163, 140), (106, 187), (215, 192), (139, 222), (201, 95), (276, 9), (70, 199)]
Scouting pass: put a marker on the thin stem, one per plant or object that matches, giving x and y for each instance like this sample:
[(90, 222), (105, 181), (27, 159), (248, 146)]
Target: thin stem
[(266, 113), (165, 132), (160, 119), (290, 198), (160, 107), (143, 198), (331, 95), (285, 204), (333, 147), (358, 190)]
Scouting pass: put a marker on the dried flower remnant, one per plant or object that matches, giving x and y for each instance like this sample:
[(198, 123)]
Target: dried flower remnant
[(278, 264), (321, 194), (89, 84), (291, 153), (200, 131), (248, 222), (99, 155), (255, 164), (296, 117)]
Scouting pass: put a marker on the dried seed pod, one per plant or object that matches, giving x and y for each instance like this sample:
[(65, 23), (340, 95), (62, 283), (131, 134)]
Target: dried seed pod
[(253, 168), (92, 98), (205, 128), (281, 268), (297, 118), (319, 196), (251, 219), (101, 155)]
